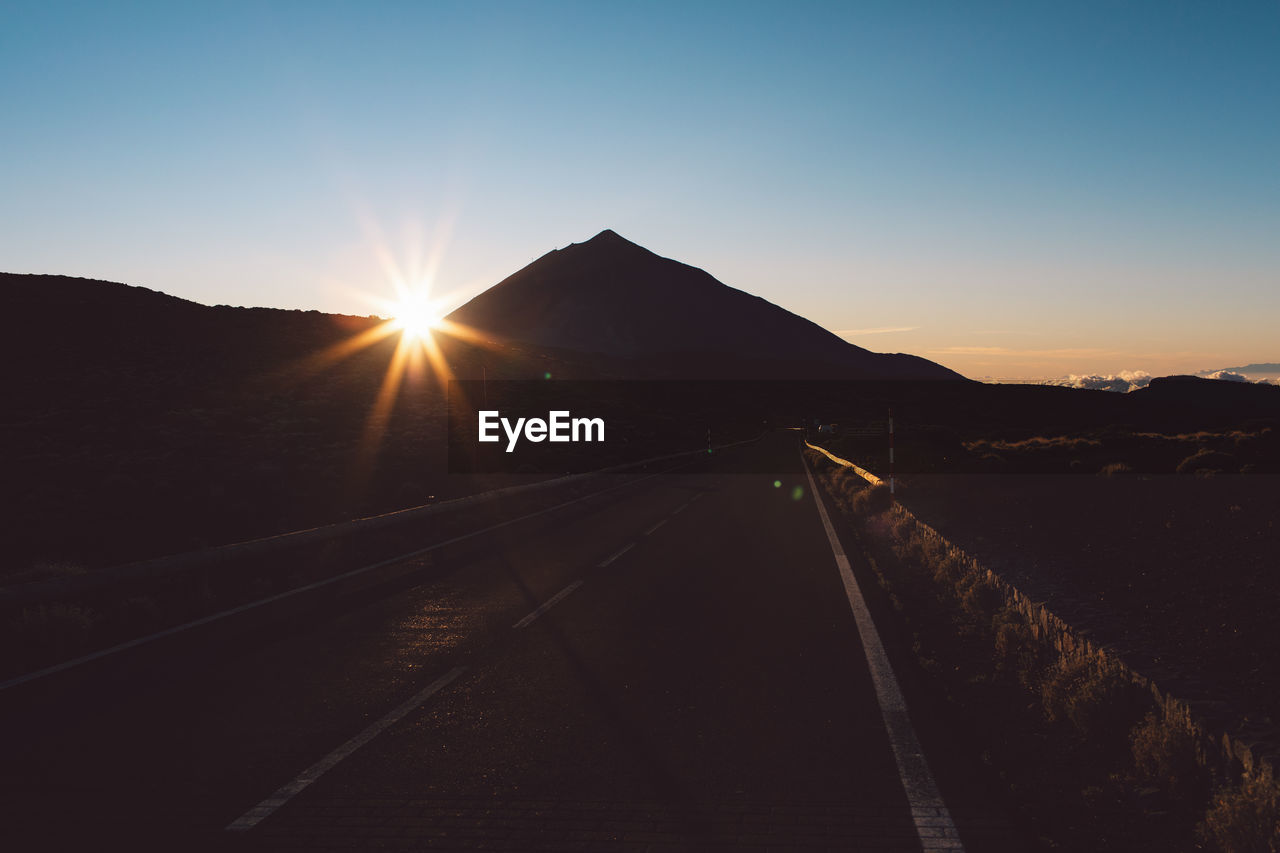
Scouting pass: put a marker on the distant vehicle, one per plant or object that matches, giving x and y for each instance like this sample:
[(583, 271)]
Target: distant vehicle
[(828, 429)]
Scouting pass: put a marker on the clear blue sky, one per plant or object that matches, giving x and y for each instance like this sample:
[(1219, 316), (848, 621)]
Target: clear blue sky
[(1014, 189)]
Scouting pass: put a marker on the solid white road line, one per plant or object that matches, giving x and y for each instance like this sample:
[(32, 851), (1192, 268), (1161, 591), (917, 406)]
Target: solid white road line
[(933, 822), (548, 604), (650, 531), (264, 809), (624, 549)]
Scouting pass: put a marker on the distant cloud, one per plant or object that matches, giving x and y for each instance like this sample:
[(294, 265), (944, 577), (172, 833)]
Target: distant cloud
[(1131, 380), (853, 333), (1122, 382)]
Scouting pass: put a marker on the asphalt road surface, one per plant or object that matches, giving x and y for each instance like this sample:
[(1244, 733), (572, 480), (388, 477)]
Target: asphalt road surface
[(673, 665)]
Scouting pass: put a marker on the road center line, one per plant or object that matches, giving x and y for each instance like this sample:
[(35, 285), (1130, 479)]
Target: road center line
[(933, 822), (548, 604), (624, 549), (649, 532), (264, 809)]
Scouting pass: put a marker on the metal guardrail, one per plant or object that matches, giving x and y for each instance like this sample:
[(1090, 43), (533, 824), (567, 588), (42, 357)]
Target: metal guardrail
[(52, 589), (861, 472)]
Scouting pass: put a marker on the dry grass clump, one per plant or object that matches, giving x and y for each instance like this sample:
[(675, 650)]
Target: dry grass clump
[(1039, 442), (872, 501), (60, 626), (1019, 655), (1166, 756), (1206, 460), (1096, 724), (42, 571), (1096, 696), (1073, 727), (1245, 818)]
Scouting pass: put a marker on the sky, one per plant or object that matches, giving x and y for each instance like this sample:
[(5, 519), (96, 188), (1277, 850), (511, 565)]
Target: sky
[(1015, 189)]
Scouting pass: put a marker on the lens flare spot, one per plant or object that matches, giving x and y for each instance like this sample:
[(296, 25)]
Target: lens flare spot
[(797, 493)]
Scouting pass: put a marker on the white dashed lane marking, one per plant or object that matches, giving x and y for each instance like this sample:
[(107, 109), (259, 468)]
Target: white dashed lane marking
[(548, 604), (624, 549), (267, 807), (264, 809)]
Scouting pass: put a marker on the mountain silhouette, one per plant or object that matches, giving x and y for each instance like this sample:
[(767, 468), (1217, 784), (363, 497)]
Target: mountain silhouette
[(613, 297), (141, 424)]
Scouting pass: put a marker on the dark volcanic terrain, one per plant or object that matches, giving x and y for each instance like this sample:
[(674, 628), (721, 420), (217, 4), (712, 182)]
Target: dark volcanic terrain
[(141, 424)]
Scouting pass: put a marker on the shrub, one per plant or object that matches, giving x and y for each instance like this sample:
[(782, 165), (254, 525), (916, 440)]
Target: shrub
[(872, 501), (1096, 697), (1019, 653), (44, 571), (1165, 756), (1206, 460), (1245, 819), (848, 487), (947, 569), (58, 625), (992, 463), (980, 599)]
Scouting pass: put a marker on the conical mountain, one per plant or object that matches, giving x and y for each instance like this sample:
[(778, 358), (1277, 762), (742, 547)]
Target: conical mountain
[(611, 296)]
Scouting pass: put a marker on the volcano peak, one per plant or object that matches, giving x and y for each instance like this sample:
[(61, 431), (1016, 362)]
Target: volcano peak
[(614, 297)]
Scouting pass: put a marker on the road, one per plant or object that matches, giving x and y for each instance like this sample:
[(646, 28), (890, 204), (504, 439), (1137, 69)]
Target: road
[(674, 665)]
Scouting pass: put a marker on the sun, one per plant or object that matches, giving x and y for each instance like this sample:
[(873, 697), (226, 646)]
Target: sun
[(417, 317)]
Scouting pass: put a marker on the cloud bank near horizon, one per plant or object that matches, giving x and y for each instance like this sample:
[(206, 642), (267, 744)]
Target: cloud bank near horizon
[(1132, 380), (1122, 382)]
